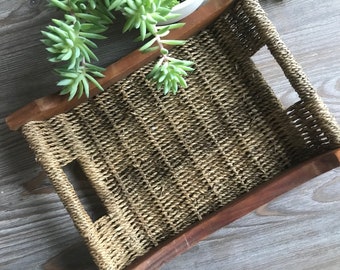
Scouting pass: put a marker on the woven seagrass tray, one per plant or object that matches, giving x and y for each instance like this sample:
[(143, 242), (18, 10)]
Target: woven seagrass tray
[(171, 170)]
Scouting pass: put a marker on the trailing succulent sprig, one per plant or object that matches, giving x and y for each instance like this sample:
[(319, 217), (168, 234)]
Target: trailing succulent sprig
[(70, 41)]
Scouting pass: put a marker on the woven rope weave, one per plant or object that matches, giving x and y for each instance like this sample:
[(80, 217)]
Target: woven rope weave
[(158, 163)]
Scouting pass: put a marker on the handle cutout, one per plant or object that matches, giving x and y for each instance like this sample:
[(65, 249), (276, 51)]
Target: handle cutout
[(274, 76), (86, 193)]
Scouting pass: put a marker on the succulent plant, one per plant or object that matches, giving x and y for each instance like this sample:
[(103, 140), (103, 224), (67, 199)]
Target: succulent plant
[(70, 40)]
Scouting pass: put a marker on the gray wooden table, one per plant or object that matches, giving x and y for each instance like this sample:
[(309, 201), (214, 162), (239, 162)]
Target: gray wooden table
[(300, 230)]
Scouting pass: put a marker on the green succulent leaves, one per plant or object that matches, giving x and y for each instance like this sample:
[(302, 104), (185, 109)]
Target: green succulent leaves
[(169, 74), (76, 81), (71, 41)]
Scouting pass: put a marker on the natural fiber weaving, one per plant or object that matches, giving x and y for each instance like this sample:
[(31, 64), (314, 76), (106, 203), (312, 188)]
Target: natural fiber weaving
[(159, 164)]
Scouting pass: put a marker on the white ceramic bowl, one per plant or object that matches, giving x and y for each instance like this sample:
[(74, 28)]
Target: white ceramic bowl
[(183, 9)]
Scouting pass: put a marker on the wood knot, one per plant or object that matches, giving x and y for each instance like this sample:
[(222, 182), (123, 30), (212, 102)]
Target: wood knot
[(34, 3)]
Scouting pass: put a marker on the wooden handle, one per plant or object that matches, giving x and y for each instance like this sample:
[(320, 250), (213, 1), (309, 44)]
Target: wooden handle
[(46, 107)]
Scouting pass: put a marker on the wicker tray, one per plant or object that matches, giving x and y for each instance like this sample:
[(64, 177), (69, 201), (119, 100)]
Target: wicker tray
[(172, 170)]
